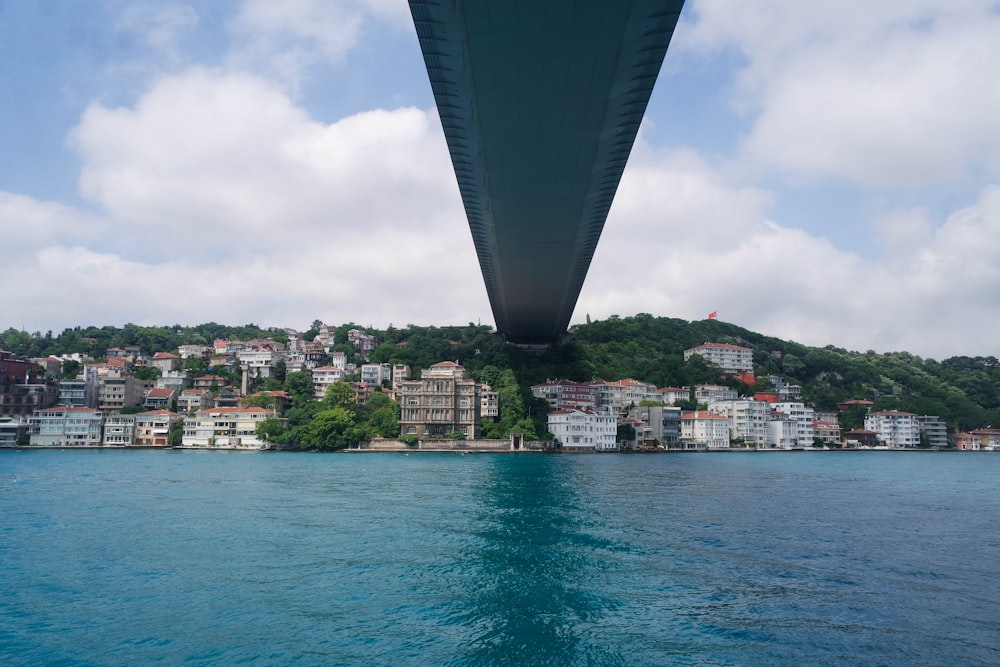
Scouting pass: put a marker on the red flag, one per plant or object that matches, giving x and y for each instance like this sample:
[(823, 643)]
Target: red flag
[(713, 315)]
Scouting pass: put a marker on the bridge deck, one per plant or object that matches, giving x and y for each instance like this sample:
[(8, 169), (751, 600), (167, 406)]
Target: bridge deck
[(540, 103)]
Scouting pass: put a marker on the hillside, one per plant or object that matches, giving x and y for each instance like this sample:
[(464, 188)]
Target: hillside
[(964, 391)]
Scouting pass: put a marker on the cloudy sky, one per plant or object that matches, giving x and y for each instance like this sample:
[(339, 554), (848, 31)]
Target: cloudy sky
[(823, 172)]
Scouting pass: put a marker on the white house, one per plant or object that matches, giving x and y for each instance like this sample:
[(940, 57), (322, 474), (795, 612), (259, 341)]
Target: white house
[(585, 430), (706, 429)]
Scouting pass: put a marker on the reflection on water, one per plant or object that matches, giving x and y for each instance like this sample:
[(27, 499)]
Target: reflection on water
[(530, 601)]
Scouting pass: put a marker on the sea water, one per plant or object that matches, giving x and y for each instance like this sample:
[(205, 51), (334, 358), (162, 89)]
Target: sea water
[(116, 557)]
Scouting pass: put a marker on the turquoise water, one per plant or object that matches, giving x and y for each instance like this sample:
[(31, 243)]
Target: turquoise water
[(203, 558)]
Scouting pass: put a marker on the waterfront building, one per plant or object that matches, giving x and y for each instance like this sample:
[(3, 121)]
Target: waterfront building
[(861, 437), (66, 427), (13, 431), (566, 394), (968, 442), (894, 428), (748, 419), (229, 427), (933, 431), (989, 439), (782, 432), (827, 431), (704, 430), (657, 424), (588, 429), (119, 431), (152, 429), (444, 401), (803, 417)]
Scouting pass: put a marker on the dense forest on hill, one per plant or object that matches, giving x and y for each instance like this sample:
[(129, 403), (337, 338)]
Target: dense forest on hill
[(964, 391)]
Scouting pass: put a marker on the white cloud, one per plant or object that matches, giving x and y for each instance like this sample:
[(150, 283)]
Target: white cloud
[(683, 242), (283, 40), (223, 201), (229, 161), (160, 26), (889, 94)]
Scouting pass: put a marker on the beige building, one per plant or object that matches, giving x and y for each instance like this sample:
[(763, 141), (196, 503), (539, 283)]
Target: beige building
[(152, 429), (229, 428), (444, 401)]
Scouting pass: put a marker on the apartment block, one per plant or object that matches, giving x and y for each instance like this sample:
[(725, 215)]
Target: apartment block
[(894, 428), (229, 428), (66, 427)]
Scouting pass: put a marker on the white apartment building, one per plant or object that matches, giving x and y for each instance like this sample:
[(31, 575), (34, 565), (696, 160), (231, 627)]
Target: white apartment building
[(119, 430), (585, 430), (620, 395), (66, 427), (338, 360), (375, 374), (192, 400), (804, 418), (748, 419), (782, 432), (489, 403), (710, 393), (730, 358), (324, 376), (400, 373), (259, 362), (705, 429), (566, 394), (670, 395), (229, 428), (893, 428)]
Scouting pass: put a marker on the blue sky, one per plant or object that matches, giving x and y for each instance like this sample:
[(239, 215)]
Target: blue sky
[(827, 174)]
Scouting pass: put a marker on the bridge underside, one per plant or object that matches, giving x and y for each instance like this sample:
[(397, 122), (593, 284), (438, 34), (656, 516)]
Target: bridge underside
[(540, 101)]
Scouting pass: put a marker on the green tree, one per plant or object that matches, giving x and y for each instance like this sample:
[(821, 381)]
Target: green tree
[(332, 429), (299, 386), (175, 436), (271, 430), (146, 373), (341, 395)]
